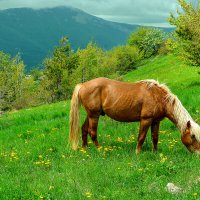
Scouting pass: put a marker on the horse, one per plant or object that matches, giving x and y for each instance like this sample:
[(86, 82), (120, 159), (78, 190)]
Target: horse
[(146, 101)]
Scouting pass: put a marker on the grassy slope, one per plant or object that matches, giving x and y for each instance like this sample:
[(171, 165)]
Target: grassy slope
[(183, 80), (36, 163)]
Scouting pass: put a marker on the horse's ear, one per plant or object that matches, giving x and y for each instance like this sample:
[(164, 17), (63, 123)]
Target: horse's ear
[(196, 120), (188, 124)]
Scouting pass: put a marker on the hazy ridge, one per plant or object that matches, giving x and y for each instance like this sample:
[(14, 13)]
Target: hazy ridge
[(34, 33)]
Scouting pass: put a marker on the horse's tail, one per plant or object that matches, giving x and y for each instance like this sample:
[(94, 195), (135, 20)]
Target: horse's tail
[(75, 118)]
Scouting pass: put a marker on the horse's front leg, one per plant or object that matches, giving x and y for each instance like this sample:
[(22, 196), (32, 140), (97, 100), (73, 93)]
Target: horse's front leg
[(93, 124), (154, 134), (144, 126), (85, 128)]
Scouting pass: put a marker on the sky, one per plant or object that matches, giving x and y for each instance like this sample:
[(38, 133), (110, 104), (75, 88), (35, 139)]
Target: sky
[(143, 12)]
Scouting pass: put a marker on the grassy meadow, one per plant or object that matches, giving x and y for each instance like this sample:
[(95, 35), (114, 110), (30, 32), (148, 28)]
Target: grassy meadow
[(37, 163)]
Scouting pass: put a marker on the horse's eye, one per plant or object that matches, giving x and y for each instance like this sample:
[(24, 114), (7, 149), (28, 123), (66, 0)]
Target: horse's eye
[(193, 136)]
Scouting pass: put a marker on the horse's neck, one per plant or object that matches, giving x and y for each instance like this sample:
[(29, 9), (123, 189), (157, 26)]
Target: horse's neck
[(178, 114)]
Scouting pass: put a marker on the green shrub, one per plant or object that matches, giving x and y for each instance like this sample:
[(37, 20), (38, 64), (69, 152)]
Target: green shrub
[(148, 40), (125, 58)]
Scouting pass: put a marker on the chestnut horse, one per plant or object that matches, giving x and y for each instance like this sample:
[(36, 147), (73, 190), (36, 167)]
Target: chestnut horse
[(146, 101)]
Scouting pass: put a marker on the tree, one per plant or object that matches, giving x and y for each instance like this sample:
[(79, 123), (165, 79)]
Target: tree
[(36, 73), (148, 40), (90, 64), (57, 70), (11, 78), (187, 22)]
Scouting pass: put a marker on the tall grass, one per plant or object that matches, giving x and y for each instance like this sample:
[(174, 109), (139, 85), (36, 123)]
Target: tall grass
[(36, 162)]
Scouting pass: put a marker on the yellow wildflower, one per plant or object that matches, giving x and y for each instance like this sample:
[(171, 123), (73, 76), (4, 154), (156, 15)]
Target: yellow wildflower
[(163, 159), (47, 162), (51, 187), (82, 150), (105, 149), (99, 148), (119, 139), (88, 194), (195, 195)]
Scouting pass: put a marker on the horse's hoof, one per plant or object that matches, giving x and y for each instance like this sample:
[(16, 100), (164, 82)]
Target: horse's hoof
[(137, 151), (154, 150)]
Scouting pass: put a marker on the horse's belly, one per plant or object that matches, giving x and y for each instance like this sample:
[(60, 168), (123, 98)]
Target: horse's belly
[(123, 116), (122, 106)]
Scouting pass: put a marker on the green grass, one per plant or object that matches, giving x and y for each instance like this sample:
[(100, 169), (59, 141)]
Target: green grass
[(36, 162)]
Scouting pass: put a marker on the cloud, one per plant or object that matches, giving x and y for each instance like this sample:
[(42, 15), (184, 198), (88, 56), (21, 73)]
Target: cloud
[(127, 11)]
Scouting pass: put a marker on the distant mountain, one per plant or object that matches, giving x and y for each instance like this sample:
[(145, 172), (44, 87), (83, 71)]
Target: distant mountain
[(34, 33)]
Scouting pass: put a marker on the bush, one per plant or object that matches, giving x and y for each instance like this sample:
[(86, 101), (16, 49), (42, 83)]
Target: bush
[(30, 94), (125, 58), (168, 46), (148, 40)]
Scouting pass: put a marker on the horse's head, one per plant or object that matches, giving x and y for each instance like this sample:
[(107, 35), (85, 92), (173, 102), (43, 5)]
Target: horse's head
[(191, 137)]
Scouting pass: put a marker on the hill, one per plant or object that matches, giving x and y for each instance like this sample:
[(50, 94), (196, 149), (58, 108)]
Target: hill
[(36, 162), (34, 33)]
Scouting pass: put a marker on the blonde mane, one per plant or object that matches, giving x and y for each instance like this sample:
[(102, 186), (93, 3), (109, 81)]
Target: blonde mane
[(151, 83), (180, 114)]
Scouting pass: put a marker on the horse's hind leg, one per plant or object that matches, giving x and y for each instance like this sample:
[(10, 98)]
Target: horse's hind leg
[(144, 126), (85, 128), (154, 134), (93, 124)]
